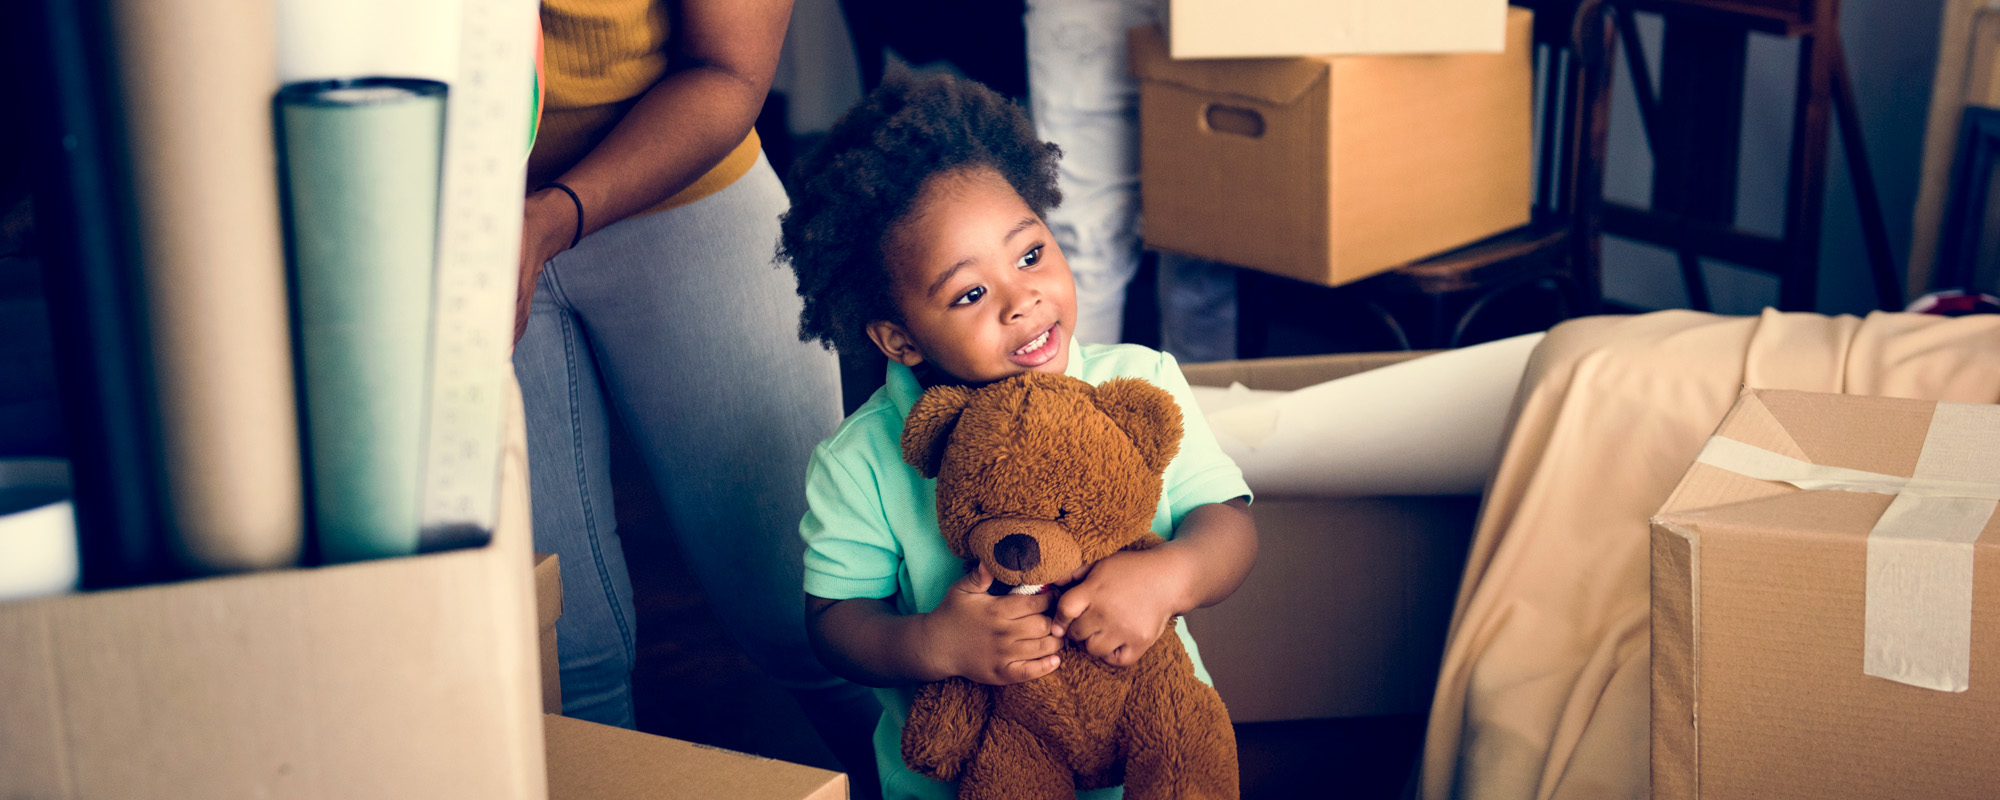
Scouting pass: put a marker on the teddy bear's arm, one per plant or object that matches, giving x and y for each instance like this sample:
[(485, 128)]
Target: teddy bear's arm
[(946, 720)]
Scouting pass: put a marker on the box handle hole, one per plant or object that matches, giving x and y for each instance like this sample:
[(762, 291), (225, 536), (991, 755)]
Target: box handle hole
[(1234, 120)]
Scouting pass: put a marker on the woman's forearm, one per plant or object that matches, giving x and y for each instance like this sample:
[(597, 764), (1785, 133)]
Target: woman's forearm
[(722, 67)]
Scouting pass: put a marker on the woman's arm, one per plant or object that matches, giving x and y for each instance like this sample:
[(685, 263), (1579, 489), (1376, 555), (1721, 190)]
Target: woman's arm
[(725, 56)]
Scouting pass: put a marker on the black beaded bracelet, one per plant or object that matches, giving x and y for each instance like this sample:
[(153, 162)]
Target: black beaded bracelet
[(579, 209)]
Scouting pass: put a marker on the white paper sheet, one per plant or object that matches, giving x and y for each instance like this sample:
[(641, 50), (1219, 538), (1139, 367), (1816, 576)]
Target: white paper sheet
[(1429, 426)]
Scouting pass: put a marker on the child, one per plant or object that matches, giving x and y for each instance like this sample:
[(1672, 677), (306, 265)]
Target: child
[(917, 228)]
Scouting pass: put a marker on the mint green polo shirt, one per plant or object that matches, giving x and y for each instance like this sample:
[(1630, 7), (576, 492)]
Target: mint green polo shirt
[(871, 525)]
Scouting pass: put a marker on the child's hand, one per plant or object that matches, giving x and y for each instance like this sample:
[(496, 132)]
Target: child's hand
[(991, 640), (1123, 603)]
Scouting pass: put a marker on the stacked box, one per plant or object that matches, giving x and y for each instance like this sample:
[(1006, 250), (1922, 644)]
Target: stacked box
[(1330, 169)]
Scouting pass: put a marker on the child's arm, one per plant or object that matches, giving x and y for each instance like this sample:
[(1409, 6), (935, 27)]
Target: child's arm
[(971, 634), (1122, 605)]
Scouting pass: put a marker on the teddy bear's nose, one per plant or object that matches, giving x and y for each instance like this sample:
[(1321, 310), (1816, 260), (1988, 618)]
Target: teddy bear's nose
[(1018, 552)]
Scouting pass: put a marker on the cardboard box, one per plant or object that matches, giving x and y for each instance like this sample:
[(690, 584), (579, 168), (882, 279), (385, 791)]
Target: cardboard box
[(1346, 612), (1790, 626), (588, 761), (548, 609), (400, 678), (1267, 28), (1331, 169)]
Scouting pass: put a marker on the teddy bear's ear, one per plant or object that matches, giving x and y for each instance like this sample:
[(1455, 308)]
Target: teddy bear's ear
[(1147, 414), (929, 427)]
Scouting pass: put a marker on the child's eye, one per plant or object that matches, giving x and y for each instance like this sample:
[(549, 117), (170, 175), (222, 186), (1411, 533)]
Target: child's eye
[(970, 297), (1029, 258)]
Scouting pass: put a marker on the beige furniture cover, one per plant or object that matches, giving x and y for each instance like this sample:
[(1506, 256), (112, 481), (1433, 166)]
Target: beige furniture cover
[(1543, 692)]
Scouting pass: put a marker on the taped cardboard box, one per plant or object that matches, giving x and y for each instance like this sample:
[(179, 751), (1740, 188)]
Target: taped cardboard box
[(1840, 640), (399, 678), (1330, 169), (548, 609), (1277, 28), (1346, 612), (588, 761)]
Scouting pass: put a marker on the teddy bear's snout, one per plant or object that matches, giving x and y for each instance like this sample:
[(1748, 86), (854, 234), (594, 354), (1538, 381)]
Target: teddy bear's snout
[(1025, 551), (1018, 552)]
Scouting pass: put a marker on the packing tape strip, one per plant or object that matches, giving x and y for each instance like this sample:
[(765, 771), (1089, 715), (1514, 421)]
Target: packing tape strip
[(1918, 629)]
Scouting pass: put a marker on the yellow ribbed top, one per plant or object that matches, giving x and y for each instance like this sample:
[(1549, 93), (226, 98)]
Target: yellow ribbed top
[(599, 56)]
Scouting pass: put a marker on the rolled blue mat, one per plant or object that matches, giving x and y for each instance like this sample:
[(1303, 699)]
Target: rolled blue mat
[(361, 162)]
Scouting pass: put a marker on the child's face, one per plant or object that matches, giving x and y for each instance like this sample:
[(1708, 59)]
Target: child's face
[(984, 291)]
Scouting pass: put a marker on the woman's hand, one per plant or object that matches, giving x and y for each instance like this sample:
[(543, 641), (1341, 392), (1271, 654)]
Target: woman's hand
[(547, 229)]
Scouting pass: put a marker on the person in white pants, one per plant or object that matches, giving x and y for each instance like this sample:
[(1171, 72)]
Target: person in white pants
[(1085, 99)]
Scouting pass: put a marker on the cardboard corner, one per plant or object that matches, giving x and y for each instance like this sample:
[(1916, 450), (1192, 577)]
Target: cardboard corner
[(548, 589), (548, 609), (589, 761)]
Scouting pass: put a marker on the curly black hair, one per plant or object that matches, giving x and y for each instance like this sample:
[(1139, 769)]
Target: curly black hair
[(860, 183)]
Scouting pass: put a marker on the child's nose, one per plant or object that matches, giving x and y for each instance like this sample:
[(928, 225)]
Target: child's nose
[(1020, 300)]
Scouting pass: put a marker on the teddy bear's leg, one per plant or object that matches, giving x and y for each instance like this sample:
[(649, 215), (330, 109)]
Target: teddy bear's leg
[(1178, 742), (946, 719), (1011, 764)]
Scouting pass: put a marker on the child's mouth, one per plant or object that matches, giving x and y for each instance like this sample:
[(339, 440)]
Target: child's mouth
[(1039, 350)]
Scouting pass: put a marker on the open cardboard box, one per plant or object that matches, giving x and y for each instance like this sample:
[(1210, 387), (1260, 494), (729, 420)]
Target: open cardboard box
[(1345, 613), (588, 761), (407, 677)]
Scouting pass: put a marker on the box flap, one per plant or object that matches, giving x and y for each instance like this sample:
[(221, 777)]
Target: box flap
[(589, 761), (1277, 81), (1295, 372), (1875, 434), (548, 590)]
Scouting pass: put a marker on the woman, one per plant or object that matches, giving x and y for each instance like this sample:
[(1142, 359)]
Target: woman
[(647, 284)]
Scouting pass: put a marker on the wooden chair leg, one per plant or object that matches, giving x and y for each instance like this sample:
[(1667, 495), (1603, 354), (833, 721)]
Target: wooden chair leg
[(1805, 185), (1874, 234)]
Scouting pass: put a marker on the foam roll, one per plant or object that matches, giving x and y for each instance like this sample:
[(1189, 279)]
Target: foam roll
[(195, 79), (362, 161)]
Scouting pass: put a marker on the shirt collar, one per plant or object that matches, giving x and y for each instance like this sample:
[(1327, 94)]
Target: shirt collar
[(904, 388)]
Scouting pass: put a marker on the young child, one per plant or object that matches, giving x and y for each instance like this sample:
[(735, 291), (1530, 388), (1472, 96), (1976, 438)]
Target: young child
[(917, 228)]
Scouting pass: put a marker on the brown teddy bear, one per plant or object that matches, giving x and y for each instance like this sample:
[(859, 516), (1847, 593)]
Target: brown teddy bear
[(1038, 475)]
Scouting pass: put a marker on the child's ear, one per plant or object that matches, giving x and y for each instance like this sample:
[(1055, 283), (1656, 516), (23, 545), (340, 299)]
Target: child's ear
[(929, 427), (895, 342), (1147, 414)]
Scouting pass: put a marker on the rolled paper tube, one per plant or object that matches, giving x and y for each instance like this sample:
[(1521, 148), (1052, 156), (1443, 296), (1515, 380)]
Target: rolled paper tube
[(38, 546), (362, 161), (195, 79)]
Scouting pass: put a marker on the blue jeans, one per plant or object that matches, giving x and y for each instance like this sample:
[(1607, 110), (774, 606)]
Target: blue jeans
[(1087, 102), (680, 322)]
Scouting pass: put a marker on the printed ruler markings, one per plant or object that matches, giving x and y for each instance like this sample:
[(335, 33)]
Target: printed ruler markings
[(485, 162)]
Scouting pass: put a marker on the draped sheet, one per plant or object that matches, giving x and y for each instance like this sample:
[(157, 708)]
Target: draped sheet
[(1543, 693)]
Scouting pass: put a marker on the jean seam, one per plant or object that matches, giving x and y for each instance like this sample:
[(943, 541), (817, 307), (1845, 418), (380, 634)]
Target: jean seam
[(556, 293), (583, 482)]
